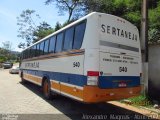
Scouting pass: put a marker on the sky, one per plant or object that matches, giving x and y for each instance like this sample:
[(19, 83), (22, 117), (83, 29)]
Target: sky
[(11, 9)]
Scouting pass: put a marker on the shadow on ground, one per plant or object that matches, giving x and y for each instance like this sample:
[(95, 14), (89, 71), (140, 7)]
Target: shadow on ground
[(76, 110)]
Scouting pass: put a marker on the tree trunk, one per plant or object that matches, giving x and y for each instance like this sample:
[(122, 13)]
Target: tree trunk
[(70, 14)]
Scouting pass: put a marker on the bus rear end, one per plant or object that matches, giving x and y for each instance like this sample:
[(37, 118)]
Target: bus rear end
[(119, 61)]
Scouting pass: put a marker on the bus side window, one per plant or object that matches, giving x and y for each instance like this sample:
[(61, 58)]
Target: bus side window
[(37, 51), (79, 34), (28, 53), (41, 48), (34, 49), (59, 42), (68, 39), (46, 46), (24, 55), (52, 44), (32, 52)]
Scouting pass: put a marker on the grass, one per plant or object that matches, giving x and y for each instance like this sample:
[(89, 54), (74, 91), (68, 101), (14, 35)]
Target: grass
[(140, 100)]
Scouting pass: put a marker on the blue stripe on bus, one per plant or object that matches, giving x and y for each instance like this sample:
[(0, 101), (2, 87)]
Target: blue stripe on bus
[(81, 80), (74, 79), (113, 81)]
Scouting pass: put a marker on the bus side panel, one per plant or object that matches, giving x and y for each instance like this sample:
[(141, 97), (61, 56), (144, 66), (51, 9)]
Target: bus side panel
[(65, 73)]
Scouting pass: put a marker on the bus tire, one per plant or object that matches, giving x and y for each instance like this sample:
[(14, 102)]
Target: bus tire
[(47, 89)]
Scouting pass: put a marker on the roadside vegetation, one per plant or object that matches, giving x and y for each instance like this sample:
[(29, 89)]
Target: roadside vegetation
[(141, 100), (6, 53)]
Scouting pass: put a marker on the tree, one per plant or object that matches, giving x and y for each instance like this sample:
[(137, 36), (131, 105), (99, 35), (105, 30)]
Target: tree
[(27, 25), (128, 9), (98, 6), (154, 23), (154, 36), (57, 26), (42, 31), (7, 45), (5, 51), (73, 7), (3, 57), (68, 22), (29, 30), (22, 45)]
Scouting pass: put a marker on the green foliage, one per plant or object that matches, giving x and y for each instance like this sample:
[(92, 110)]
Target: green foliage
[(105, 6), (119, 7), (154, 17), (42, 31), (140, 100), (154, 36), (134, 17), (128, 9), (41, 34), (5, 52), (68, 22), (2, 59), (154, 25), (132, 5), (57, 26)]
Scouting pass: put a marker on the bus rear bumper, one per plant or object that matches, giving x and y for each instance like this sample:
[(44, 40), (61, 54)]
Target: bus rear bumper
[(93, 94)]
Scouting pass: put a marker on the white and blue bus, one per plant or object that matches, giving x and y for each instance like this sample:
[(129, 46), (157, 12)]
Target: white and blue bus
[(94, 59)]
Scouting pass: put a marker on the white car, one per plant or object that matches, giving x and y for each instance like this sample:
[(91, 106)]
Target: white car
[(14, 69)]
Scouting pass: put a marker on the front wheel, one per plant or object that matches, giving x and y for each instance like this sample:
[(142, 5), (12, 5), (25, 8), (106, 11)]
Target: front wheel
[(47, 90)]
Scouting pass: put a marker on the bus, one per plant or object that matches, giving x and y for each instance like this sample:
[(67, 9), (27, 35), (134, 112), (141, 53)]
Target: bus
[(94, 59)]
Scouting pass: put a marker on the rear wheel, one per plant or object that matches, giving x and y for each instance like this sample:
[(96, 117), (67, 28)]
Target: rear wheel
[(47, 89)]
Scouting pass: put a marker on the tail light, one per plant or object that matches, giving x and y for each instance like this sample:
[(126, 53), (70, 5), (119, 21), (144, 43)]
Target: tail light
[(92, 78)]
